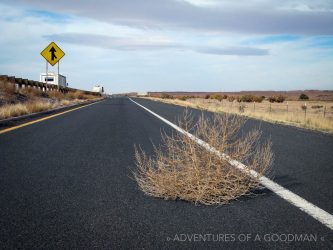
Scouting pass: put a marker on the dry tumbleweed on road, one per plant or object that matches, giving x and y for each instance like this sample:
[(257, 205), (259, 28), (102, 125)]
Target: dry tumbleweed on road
[(183, 169)]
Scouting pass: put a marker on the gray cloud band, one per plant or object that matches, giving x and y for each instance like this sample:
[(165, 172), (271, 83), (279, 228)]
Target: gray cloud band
[(121, 43), (256, 18)]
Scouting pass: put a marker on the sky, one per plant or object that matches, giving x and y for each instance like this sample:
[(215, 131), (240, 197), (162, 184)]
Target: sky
[(173, 45)]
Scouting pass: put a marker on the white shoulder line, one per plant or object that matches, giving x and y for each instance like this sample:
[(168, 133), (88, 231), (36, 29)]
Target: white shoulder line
[(307, 207)]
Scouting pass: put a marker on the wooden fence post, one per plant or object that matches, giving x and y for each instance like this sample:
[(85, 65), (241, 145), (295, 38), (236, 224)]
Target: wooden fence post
[(324, 111)]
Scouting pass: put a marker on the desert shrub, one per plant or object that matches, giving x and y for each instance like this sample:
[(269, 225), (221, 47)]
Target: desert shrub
[(258, 98), (247, 98), (225, 97), (231, 98), (207, 96), (304, 107), (183, 169), (303, 97), (166, 96), (217, 97), (251, 98), (271, 99), (317, 106), (182, 98), (278, 98)]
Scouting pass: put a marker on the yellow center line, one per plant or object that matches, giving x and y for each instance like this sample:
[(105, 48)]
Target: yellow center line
[(44, 118)]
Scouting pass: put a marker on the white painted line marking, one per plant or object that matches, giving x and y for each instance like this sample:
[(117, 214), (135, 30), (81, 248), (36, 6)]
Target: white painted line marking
[(307, 207)]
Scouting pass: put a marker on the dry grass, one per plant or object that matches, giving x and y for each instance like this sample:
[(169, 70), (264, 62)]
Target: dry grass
[(32, 93), (182, 169), (80, 95), (18, 109), (7, 91), (77, 95), (289, 112), (56, 95), (7, 87), (15, 102), (32, 106), (65, 102)]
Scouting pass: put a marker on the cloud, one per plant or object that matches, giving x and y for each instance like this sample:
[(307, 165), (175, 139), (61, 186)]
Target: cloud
[(149, 43), (272, 39), (239, 51), (48, 16), (253, 17), (116, 43)]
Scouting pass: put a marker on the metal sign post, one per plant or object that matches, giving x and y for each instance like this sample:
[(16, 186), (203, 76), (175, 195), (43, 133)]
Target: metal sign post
[(58, 76), (47, 72)]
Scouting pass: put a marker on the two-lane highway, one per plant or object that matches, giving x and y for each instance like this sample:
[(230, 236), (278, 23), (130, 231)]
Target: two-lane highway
[(66, 183)]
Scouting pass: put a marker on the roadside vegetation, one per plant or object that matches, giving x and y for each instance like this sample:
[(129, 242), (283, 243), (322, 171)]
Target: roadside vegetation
[(304, 112), (16, 102), (182, 169)]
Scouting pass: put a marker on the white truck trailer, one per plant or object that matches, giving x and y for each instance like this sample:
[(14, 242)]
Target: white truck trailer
[(52, 78), (98, 89)]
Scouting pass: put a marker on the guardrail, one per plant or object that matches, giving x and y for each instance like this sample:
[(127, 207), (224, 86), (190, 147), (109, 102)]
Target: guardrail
[(25, 83)]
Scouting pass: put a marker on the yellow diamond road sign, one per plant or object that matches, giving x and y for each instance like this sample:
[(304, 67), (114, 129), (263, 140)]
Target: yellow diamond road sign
[(52, 53)]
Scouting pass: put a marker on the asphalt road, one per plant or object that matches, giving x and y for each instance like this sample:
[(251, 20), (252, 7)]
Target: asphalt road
[(66, 183)]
